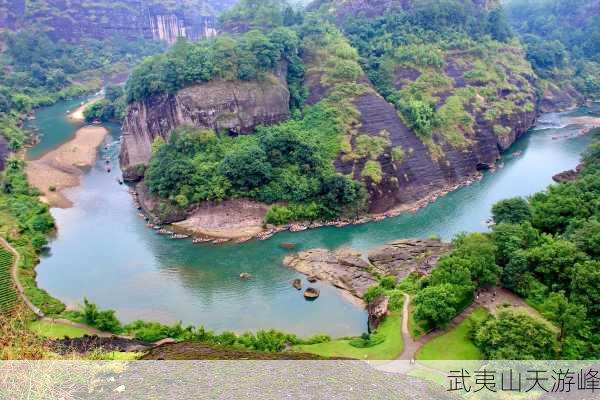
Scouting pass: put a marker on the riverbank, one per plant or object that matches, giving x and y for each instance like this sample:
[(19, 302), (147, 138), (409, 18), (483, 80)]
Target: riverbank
[(63, 167), (77, 115)]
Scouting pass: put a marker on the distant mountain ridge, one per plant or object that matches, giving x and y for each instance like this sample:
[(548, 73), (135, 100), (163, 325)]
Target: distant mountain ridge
[(129, 19)]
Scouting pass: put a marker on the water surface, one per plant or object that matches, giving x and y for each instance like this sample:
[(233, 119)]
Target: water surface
[(104, 251)]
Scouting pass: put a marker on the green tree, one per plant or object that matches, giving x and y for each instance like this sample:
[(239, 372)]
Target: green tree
[(567, 316), (437, 305), (513, 335), (511, 211)]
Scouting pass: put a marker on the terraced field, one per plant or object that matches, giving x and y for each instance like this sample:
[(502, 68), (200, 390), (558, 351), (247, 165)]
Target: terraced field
[(8, 293)]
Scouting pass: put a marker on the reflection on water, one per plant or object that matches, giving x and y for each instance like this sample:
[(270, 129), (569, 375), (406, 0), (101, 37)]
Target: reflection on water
[(104, 251)]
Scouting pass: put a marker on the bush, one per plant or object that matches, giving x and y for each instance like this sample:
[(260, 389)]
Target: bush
[(511, 211)]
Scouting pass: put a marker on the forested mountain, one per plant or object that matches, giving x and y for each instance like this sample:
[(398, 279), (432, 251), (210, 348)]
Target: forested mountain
[(415, 97), (562, 38), (130, 19)]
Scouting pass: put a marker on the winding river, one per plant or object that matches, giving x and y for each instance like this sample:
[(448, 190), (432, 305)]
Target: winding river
[(103, 250)]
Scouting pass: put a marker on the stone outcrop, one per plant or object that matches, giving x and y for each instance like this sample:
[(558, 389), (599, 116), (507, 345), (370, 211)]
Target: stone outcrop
[(377, 311), (4, 152), (344, 269), (556, 99), (129, 19), (234, 107), (348, 270), (402, 257), (568, 176)]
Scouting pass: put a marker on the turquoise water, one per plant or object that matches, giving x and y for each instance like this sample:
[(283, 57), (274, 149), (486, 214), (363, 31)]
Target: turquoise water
[(103, 250), (54, 128)]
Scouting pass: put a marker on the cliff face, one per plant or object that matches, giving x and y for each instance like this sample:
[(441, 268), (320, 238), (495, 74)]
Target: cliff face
[(233, 107), (3, 152), (130, 19)]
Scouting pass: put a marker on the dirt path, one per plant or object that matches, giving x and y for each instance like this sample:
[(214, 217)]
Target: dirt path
[(411, 346), (493, 300)]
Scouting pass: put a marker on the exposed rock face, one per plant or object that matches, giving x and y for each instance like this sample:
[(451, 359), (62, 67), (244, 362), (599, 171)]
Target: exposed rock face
[(130, 19), (343, 268), (401, 257), (3, 152), (556, 99), (377, 310), (568, 176), (235, 107), (347, 269)]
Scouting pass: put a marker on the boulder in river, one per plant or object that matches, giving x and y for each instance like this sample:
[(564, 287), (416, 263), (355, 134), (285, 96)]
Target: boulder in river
[(311, 279), (245, 276), (311, 293), (377, 310), (297, 283)]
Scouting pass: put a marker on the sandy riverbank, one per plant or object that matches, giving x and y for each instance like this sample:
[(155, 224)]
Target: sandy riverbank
[(63, 167), (77, 115)]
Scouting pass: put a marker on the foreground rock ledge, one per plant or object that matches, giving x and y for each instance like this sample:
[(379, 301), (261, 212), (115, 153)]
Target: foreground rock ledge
[(351, 272)]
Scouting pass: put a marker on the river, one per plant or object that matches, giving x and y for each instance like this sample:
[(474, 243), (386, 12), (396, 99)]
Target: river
[(104, 251)]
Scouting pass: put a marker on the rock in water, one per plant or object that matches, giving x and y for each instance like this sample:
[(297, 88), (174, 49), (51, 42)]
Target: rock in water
[(297, 283), (245, 276), (344, 269), (311, 293), (377, 310)]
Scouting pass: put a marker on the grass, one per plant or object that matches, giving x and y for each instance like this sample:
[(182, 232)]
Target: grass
[(56, 331), (8, 294), (389, 349), (454, 344)]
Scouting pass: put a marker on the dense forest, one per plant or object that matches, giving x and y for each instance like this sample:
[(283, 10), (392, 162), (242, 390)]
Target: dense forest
[(260, 37), (545, 249), (562, 38)]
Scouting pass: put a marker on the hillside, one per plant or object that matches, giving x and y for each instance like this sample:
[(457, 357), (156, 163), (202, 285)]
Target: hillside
[(417, 99), (129, 19), (562, 39)]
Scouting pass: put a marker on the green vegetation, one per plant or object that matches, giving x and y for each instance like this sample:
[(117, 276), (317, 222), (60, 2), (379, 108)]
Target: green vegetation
[(385, 344), (35, 71), (455, 344), (414, 57), (514, 335), (56, 331), (245, 57), (25, 223), (289, 163), (562, 40), (450, 287), (8, 294), (111, 107)]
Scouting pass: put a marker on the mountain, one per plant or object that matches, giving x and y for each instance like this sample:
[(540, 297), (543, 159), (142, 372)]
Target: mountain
[(562, 39), (417, 97), (131, 19)]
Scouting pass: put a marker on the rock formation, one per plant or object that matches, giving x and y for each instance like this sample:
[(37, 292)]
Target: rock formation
[(129, 19), (4, 152), (234, 107), (348, 270), (377, 310), (402, 257), (344, 269)]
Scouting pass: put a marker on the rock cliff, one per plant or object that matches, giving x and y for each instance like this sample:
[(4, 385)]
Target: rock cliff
[(4, 151), (234, 107), (130, 19), (413, 167)]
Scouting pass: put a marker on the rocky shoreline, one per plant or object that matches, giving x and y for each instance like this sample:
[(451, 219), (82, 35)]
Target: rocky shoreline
[(354, 272), (199, 235)]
